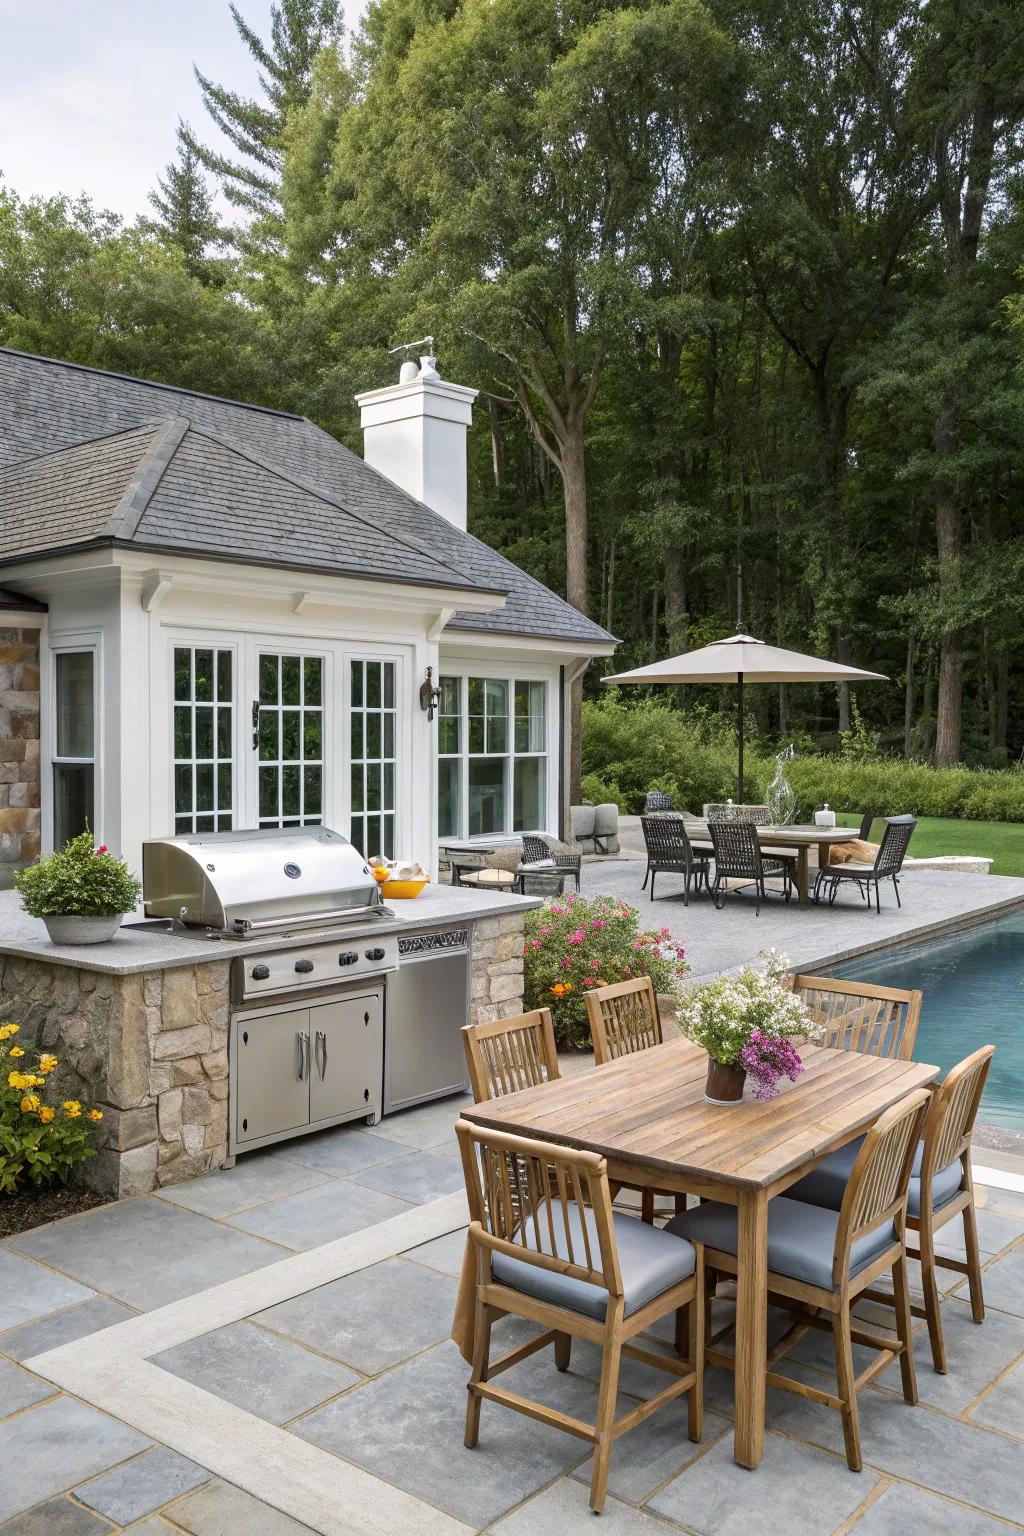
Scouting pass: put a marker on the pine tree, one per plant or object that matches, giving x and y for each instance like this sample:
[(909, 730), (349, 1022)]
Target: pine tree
[(187, 219), (299, 31)]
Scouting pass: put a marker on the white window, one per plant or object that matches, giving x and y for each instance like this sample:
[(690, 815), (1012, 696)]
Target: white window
[(204, 780), (492, 756), (291, 740), (373, 733), (74, 742)]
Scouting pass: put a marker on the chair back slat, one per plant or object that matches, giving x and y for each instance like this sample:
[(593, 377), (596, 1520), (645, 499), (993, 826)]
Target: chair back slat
[(545, 1205), (534, 849), (893, 847), (507, 1055), (666, 841), (947, 1134), (624, 1019), (737, 849), (879, 1179), (877, 1021)]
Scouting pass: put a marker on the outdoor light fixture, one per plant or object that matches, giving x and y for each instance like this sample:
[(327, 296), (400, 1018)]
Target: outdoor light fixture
[(430, 696)]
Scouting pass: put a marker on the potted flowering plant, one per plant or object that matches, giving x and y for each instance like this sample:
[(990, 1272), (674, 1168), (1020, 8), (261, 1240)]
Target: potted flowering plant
[(574, 944), (40, 1143), (80, 892), (747, 1024)]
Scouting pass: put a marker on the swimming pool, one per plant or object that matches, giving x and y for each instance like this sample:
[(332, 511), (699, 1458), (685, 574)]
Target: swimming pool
[(973, 985)]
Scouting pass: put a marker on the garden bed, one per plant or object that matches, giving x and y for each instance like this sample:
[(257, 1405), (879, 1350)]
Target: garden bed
[(33, 1208)]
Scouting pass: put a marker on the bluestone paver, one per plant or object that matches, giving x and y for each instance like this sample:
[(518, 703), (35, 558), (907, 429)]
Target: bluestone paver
[(264, 1374), (138, 1487), (344, 1150), (28, 1290), (564, 1510), (20, 1389), (902, 1511), (1004, 1282), (58, 1517), (1003, 1408), (59, 1328), (55, 1446), (254, 1180), (441, 1253), (418, 1177), (333, 1209), (220, 1509)]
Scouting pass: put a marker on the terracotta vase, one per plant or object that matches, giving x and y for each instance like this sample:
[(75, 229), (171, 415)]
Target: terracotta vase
[(725, 1083)]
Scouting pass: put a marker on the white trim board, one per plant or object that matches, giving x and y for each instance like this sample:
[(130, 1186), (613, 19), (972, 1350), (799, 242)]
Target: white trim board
[(111, 1370), (1000, 1178)]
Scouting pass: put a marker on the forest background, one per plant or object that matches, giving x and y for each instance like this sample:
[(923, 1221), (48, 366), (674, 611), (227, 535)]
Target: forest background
[(740, 285)]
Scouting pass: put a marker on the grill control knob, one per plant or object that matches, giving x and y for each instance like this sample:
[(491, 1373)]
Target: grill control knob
[(375, 954), (260, 972), (303, 966), (348, 957)]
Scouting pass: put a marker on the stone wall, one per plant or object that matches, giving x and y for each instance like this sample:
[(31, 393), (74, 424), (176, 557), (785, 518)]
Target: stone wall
[(150, 1051), (19, 749), (497, 977)]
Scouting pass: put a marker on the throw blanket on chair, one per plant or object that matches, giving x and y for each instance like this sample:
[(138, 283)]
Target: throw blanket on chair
[(856, 848)]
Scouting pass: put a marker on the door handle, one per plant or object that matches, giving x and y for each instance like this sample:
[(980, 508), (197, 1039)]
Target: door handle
[(320, 1053), (255, 723), (302, 1044)]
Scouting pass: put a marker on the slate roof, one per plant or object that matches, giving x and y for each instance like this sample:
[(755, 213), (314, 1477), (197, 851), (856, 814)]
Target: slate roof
[(241, 482)]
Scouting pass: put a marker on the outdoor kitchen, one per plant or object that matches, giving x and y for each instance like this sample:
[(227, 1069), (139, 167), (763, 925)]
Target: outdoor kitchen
[(270, 990)]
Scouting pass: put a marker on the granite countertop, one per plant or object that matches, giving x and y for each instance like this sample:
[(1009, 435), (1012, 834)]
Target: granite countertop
[(150, 948)]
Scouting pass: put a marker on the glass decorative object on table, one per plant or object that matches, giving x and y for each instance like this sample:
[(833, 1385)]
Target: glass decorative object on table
[(781, 796)]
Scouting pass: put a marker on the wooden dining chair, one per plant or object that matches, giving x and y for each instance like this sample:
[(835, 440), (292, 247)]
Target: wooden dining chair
[(624, 1019), (509, 1054), (825, 1260), (941, 1188), (550, 1248), (879, 1021)]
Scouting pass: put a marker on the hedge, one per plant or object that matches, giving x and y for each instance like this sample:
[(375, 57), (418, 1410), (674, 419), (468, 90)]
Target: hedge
[(628, 750)]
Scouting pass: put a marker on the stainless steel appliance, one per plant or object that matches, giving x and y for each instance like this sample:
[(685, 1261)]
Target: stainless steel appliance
[(242, 883), (428, 1002)]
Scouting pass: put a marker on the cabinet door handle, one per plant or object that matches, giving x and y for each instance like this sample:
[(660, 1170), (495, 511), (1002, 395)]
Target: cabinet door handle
[(320, 1050), (302, 1042)]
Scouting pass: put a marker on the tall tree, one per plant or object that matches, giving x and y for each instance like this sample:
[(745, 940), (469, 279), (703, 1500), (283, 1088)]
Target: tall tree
[(187, 219)]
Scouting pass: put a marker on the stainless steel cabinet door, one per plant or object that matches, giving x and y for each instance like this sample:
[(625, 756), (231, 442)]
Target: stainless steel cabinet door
[(347, 1043), (428, 1003), (272, 1073)]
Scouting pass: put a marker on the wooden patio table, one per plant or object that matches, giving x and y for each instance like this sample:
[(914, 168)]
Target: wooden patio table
[(801, 838), (647, 1116)]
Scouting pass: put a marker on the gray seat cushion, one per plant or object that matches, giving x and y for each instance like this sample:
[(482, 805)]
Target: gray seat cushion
[(826, 1184), (801, 1238), (650, 1261)]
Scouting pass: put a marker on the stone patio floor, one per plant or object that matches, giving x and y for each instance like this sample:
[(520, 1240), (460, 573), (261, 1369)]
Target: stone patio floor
[(238, 1388)]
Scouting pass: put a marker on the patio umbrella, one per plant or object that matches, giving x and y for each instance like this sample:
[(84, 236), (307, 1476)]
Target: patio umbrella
[(740, 660)]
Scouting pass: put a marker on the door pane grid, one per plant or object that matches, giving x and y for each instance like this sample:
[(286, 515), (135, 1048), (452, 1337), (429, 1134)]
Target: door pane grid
[(203, 739), (492, 737), (373, 748), (290, 740)]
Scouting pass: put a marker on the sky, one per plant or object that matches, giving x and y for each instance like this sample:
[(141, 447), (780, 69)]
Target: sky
[(92, 90)]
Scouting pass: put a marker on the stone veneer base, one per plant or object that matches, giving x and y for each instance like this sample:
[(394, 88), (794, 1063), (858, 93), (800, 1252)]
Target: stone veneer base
[(151, 1050)]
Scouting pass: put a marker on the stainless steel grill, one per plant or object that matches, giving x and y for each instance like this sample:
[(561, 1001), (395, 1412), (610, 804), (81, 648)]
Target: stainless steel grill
[(263, 881)]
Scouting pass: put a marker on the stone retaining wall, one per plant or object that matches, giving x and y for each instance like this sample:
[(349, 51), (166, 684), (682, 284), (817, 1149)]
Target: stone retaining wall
[(19, 749), (151, 1051)]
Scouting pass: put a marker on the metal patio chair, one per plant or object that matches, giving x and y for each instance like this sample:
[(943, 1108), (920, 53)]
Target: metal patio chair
[(669, 852), (536, 850), (657, 800), (887, 866), (738, 857)]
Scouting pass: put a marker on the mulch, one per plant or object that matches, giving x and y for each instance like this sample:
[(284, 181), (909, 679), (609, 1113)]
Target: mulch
[(32, 1208)]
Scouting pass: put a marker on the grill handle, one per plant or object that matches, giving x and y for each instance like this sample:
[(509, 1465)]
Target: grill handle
[(331, 915), (302, 1045), (320, 1051)]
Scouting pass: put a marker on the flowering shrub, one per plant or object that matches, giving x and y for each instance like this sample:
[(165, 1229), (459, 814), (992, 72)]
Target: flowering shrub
[(39, 1142), (78, 880), (749, 1021), (574, 944)]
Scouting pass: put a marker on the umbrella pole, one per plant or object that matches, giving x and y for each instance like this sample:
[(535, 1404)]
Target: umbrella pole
[(739, 729)]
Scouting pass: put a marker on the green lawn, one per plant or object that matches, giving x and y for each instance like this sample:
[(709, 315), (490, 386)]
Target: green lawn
[(1002, 841)]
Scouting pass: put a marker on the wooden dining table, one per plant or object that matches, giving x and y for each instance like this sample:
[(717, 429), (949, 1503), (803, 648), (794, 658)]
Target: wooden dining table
[(799, 838), (646, 1114)]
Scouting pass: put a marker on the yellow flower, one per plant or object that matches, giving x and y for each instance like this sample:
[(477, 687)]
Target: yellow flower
[(32, 1081), (47, 1063), (95, 1114), (17, 1080), (7, 1030), (73, 1108), (46, 1114), (30, 1103), (16, 1050)]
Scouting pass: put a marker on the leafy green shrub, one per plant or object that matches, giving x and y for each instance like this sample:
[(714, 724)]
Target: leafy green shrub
[(40, 1143), (574, 945), (78, 880)]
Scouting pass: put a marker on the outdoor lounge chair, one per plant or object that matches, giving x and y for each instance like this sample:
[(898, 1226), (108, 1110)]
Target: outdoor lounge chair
[(941, 1188), (558, 1255), (887, 866), (827, 1260), (539, 853), (669, 851), (738, 857)]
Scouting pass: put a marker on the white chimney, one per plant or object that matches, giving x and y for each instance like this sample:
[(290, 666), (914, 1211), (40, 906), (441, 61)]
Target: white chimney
[(415, 433)]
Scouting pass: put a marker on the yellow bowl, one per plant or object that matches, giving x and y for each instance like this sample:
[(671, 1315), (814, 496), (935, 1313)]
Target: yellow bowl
[(402, 888)]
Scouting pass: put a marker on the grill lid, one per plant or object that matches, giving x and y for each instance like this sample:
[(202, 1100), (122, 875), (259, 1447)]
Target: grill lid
[(266, 878)]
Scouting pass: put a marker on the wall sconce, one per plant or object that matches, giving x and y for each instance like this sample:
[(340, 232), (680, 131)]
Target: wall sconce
[(430, 695)]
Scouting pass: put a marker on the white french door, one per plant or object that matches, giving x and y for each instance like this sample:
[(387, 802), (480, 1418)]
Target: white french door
[(290, 731)]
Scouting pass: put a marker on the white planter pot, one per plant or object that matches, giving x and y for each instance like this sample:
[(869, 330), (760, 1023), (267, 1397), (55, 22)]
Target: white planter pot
[(72, 928)]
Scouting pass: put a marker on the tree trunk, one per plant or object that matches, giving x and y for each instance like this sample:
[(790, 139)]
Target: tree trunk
[(844, 654), (497, 443), (908, 700), (610, 599), (948, 542), (675, 600), (574, 485)]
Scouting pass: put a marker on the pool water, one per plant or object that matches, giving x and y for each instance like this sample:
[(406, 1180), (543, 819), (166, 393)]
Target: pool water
[(973, 985)]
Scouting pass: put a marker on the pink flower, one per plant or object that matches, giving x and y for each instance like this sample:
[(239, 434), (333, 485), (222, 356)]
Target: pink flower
[(101, 849), (576, 937), (565, 962), (537, 944), (559, 911), (598, 922), (544, 932)]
